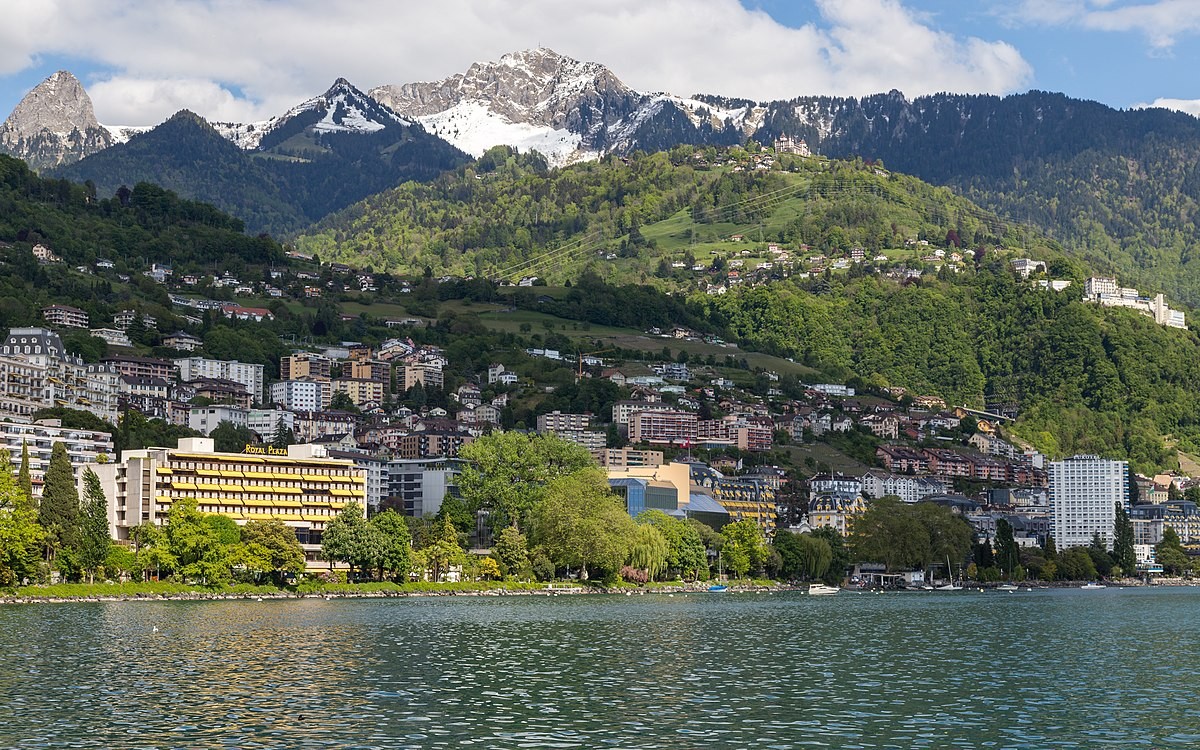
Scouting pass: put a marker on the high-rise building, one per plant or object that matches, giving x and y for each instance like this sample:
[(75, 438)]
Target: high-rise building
[(1084, 493)]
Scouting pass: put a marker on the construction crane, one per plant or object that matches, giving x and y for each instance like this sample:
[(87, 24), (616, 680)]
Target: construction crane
[(579, 372)]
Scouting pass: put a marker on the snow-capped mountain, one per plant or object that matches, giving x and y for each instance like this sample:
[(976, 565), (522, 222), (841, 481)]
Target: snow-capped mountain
[(54, 124), (566, 109)]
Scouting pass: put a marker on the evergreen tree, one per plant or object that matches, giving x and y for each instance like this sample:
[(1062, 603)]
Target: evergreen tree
[(1008, 554), (94, 539), (283, 435), (1123, 542), (24, 480), (59, 509)]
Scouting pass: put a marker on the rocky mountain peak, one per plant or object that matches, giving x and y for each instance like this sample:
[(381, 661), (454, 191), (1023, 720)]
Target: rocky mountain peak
[(536, 86), (54, 124)]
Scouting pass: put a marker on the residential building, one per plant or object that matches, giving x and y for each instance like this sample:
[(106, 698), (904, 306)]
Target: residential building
[(368, 369), (628, 458), (910, 489), (828, 484), (256, 314), (417, 487), (313, 425), (1026, 266), (65, 316), (126, 318), (264, 422), (84, 447), (301, 395), (205, 419), (37, 373), (427, 374), (112, 336), (299, 486), (837, 510), (1084, 493), (219, 390), (432, 442), (305, 366), (623, 410), (593, 440), (249, 375), (360, 391), (147, 395), (143, 367), (663, 427), (184, 342), (556, 421)]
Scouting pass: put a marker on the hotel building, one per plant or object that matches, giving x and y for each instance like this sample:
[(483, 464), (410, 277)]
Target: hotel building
[(1084, 493), (298, 485), (84, 447)]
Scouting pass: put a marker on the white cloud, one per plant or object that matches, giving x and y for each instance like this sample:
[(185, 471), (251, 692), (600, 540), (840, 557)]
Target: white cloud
[(1190, 106), (1161, 22), (250, 59)]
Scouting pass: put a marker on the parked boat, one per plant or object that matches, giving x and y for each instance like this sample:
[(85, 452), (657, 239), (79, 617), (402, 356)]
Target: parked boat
[(950, 574), (820, 589)]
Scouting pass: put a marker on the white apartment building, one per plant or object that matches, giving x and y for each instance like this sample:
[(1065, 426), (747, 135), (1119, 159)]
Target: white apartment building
[(264, 421), (205, 419), (248, 375), (301, 395), (84, 447), (910, 489), (1084, 492)]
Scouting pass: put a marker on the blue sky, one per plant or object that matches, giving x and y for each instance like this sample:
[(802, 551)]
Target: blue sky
[(240, 60)]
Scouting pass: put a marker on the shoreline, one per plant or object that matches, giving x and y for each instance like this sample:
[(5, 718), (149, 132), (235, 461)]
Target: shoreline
[(501, 591), (498, 591)]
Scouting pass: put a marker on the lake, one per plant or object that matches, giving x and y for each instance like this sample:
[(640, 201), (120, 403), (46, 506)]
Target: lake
[(1048, 668)]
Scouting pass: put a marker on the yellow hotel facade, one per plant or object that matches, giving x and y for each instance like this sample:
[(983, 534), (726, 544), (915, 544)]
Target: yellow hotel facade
[(299, 486)]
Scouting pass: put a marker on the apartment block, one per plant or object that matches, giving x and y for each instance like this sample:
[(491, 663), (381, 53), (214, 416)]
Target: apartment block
[(249, 375)]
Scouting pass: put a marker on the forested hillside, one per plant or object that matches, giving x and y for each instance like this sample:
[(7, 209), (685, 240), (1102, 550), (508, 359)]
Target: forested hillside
[(1087, 379), (1120, 189), (507, 215)]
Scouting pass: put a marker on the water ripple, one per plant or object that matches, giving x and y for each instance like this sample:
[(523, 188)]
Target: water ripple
[(1060, 669)]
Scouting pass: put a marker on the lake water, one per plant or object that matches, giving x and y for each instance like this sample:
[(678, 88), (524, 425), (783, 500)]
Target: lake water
[(1062, 669)]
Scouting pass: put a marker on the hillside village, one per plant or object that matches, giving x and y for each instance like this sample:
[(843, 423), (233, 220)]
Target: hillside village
[(401, 410)]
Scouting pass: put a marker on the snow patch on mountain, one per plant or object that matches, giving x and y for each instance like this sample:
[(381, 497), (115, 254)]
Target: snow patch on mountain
[(474, 128), (245, 135), (122, 133)]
